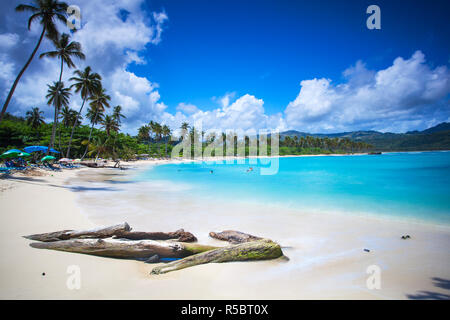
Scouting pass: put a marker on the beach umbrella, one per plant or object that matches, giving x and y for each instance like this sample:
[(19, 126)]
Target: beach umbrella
[(65, 160), (24, 154), (31, 149), (13, 153), (48, 158)]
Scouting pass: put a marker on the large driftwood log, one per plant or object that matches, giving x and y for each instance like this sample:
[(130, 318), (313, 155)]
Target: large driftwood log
[(179, 235), (98, 233), (234, 236), (256, 250), (125, 249)]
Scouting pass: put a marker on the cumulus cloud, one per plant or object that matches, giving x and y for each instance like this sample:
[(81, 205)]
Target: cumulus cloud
[(115, 34), (110, 40), (392, 99), (246, 114)]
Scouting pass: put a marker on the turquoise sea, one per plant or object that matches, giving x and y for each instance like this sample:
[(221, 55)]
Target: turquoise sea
[(399, 185)]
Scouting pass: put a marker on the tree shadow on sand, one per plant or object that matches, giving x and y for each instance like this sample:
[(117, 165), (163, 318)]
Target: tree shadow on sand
[(430, 295)]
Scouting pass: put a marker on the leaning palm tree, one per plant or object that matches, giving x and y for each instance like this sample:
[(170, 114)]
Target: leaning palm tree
[(99, 101), (65, 50), (94, 115), (86, 83), (117, 114), (166, 133), (46, 12), (58, 97), (35, 118)]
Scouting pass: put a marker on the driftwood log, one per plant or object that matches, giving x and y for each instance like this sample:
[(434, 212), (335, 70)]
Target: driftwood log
[(255, 250), (98, 233), (233, 236), (179, 235), (125, 249)]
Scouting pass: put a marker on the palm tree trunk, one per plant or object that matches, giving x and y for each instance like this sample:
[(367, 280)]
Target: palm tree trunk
[(13, 88), (55, 122), (73, 127), (90, 135), (62, 66)]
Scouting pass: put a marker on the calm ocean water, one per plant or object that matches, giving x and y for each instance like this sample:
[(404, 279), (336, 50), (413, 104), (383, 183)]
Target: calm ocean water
[(408, 185)]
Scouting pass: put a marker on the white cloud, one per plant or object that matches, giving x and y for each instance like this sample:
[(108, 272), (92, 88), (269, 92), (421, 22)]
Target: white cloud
[(8, 40), (393, 99)]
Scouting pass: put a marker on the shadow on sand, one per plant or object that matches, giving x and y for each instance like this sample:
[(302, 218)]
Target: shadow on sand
[(430, 295)]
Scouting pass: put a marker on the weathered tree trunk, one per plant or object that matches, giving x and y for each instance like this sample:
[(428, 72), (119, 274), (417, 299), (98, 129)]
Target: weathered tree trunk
[(72, 234), (125, 249), (256, 250), (179, 235), (234, 236)]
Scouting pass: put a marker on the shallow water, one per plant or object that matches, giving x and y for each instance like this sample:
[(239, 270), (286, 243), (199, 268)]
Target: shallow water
[(400, 185)]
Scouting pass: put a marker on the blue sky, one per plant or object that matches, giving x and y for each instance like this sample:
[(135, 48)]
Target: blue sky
[(306, 65), (266, 48)]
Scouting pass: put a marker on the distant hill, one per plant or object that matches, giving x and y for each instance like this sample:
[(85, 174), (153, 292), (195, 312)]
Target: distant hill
[(434, 138)]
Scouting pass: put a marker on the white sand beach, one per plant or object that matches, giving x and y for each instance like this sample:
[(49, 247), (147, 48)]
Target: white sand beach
[(326, 251)]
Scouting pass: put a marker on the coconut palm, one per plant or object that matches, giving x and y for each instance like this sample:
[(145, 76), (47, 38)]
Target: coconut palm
[(94, 115), (65, 50), (98, 146), (99, 101), (69, 116), (109, 124), (46, 12), (58, 97), (144, 133), (86, 83), (35, 118), (117, 114), (166, 133)]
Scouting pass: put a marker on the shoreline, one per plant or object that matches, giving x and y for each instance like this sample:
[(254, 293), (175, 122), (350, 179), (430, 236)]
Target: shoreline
[(325, 250)]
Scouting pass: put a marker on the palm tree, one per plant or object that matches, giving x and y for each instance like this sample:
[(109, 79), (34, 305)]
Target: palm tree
[(184, 127), (98, 146), (144, 133), (86, 83), (65, 50), (117, 114), (99, 101), (110, 124), (69, 117), (35, 118), (166, 133), (46, 11), (58, 96)]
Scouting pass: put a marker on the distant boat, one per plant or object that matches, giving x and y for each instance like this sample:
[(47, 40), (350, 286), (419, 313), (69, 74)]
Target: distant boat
[(372, 153)]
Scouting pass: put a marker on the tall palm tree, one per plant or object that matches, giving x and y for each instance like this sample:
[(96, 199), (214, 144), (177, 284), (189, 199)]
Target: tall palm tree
[(35, 118), (166, 133), (117, 114), (46, 12), (110, 124), (94, 115), (86, 83), (65, 50), (99, 101), (58, 97)]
